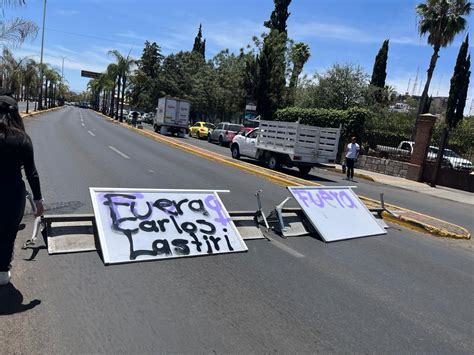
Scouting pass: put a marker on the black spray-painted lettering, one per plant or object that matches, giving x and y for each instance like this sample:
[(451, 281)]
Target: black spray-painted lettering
[(137, 218)]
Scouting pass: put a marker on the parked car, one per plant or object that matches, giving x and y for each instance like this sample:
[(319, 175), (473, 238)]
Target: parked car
[(224, 133), (405, 149), (147, 117), (201, 129), (453, 159)]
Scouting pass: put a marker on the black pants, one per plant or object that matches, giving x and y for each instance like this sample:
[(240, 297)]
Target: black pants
[(11, 214), (350, 167)]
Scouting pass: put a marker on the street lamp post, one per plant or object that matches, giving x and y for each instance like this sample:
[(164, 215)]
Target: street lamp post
[(40, 103), (62, 69)]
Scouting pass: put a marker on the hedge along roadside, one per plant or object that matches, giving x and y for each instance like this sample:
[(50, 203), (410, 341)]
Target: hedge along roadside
[(352, 120)]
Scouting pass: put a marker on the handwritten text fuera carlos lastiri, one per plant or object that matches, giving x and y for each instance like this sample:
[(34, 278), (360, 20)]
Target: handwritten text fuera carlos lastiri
[(179, 227)]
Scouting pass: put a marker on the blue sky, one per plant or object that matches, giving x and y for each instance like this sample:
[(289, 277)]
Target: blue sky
[(338, 31)]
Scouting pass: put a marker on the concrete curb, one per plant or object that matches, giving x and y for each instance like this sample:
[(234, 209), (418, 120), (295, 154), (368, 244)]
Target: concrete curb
[(287, 180), (35, 113), (356, 174)]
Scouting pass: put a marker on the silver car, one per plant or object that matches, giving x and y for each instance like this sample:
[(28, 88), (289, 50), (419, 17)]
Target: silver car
[(224, 133)]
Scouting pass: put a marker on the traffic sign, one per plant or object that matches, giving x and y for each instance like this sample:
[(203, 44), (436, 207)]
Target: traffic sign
[(90, 74)]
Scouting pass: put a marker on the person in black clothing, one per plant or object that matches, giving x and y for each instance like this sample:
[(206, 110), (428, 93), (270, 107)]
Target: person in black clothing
[(134, 118), (16, 151)]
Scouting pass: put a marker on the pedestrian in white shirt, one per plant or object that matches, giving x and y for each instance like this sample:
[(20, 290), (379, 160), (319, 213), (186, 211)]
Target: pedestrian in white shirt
[(352, 153)]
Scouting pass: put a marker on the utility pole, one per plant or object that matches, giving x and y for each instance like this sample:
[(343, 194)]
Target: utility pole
[(439, 85), (413, 91), (408, 88), (40, 103)]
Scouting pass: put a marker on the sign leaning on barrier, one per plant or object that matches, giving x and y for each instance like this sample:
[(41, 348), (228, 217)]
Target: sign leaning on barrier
[(336, 212), (149, 224)]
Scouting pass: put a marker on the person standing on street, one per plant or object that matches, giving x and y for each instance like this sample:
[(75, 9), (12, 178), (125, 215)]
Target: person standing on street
[(134, 118), (16, 151), (352, 153)]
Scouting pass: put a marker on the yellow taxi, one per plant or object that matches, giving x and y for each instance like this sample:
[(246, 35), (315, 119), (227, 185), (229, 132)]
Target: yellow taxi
[(200, 129)]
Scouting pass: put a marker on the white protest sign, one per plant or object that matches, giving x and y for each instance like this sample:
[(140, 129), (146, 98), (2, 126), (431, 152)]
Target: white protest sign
[(336, 212), (148, 224)]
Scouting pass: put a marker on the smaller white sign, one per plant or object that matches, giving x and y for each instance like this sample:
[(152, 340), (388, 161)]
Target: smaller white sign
[(336, 212), (145, 224)]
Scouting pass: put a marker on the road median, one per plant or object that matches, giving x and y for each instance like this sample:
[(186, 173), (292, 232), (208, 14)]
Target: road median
[(400, 215)]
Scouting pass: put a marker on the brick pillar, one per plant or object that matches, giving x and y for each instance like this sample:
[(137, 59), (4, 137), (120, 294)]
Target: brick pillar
[(424, 129)]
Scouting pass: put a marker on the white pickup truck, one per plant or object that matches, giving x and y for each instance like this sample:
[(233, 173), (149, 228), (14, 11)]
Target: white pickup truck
[(288, 143)]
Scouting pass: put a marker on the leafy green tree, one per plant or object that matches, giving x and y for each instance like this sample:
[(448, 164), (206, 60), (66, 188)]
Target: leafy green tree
[(341, 87), (144, 91), (442, 20)]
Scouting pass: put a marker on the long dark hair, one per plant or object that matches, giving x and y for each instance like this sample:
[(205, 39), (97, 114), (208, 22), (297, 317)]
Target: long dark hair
[(11, 123)]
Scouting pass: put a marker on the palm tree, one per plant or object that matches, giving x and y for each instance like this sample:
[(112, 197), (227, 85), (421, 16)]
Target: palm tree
[(30, 76), (124, 67), (442, 20), (55, 79), (17, 30), (95, 87), (112, 75)]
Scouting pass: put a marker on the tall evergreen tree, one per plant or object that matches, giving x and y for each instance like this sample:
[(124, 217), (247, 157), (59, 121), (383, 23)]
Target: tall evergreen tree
[(459, 86), (379, 73), (456, 100), (200, 44), (279, 16), (145, 83), (272, 66)]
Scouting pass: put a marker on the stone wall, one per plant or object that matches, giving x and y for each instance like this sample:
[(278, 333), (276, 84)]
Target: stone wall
[(383, 166)]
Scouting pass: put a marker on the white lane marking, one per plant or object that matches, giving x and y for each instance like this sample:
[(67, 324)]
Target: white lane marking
[(119, 152), (82, 124), (151, 171), (91, 133), (286, 248), (80, 114)]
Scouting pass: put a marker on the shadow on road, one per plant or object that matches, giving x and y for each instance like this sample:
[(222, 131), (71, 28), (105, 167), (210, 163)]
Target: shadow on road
[(11, 301), (291, 172)]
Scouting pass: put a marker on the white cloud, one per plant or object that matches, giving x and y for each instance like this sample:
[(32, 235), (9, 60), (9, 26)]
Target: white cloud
[(74, 61), (67, 12), (319, 30), (232, 35)]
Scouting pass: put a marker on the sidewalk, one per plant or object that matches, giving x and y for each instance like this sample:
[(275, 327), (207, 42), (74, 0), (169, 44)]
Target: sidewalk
[(439, 191)]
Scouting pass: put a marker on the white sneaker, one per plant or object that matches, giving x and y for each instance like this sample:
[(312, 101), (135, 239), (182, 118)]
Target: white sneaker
[(5, 277)]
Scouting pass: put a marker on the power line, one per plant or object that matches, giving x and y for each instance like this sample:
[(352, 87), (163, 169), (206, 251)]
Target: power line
[(90, 36)]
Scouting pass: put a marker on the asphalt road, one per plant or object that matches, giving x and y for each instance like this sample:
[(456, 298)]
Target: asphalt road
[(454, 212), (403, 292)]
